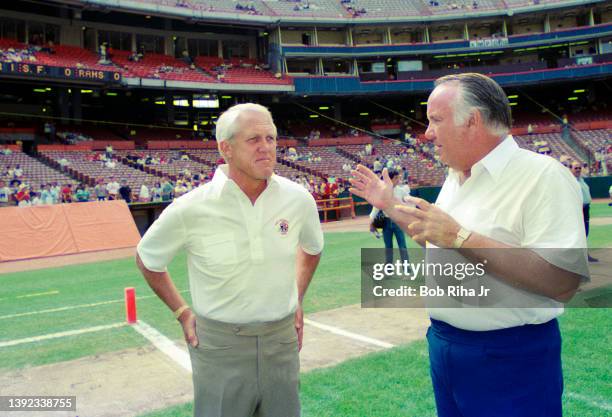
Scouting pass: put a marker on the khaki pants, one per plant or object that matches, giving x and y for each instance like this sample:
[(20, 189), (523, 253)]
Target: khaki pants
[(244, 370)]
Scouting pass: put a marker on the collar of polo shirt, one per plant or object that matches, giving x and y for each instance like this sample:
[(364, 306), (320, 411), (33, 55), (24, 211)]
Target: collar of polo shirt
[(495, 161), (220, 180)]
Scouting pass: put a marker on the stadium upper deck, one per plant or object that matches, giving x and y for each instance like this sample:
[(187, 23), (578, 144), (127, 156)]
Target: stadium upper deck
[(335, 10)]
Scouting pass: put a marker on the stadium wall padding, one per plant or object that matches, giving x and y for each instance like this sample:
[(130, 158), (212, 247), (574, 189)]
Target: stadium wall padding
[(599, 186), (65, 229)]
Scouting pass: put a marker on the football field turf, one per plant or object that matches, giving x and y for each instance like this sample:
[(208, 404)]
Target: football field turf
[(390, 383)]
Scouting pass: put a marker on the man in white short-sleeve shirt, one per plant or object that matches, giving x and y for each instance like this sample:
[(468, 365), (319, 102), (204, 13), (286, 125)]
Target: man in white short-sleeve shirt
[(519, 214), (253, 241)]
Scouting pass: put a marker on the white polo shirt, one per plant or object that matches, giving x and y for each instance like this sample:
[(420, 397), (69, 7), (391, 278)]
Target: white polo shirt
[(241, 257), (525, 200)]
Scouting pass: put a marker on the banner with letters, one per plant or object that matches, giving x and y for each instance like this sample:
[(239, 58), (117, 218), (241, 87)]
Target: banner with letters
[(44, 71), (489, 43)]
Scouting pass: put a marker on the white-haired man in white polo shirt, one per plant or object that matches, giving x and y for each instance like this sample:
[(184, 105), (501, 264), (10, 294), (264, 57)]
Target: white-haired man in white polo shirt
[(253, 241), (519, 214)]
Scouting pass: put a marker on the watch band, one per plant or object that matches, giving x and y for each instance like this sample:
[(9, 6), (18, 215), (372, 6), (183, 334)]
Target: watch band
[(462, 236), (177, 313)]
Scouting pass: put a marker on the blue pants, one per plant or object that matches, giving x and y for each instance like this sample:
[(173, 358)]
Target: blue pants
[(389, 230), (514, 372)]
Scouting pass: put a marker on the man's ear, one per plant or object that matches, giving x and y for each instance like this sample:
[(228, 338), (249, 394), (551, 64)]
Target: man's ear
[(475, 118), (226, 149)]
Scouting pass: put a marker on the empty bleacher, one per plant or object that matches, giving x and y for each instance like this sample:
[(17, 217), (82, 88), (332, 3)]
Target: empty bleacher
[(559, 149), (163, 67), (88, 171), (172, 169), (330, 163), (73, 57), (35, 172), (422, 169)]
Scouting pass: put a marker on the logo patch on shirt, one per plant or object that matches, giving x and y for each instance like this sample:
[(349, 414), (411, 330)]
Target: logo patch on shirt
[(282, 226)]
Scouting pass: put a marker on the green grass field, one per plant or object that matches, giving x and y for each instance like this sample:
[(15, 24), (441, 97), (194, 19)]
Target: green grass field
[(390, 383), (601, 210)]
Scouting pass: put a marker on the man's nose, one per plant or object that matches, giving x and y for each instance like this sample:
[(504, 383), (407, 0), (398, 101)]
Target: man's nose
[(429, 134)]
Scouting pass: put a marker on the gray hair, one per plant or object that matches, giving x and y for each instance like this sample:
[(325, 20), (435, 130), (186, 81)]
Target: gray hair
[(227, 124), (482, 93)]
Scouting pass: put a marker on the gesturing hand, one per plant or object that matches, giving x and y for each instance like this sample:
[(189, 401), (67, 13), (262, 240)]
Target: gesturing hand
[(430, 223), (367, 185)]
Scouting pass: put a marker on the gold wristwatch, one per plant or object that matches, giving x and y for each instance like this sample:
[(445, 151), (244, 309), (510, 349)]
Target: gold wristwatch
[(462, 236)]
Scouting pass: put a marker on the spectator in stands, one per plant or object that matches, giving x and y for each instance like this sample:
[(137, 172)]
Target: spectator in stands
[(325, 191), (586, 199), (23, 196), (100, 190), (378, 166), (5, 194), (35, 199), (187, 59), (17, 172), (113, 188), (144, 195), (110, 164), (82, 194), (56, 191), (49, 47), (251, 302), (6, 151), (368, 149), (109, 151), (167, 190), (530, 129), (390, 228), (180, 189), (156, 193), (496, 195), (125, 191), (46, 195), (67, 193)]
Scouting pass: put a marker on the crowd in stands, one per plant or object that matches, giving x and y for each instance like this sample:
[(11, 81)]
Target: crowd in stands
[(17, 54), (249, 8), (72, 138)]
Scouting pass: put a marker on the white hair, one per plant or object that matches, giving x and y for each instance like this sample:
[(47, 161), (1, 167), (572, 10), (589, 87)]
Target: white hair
[(227, 124), (468, 98)]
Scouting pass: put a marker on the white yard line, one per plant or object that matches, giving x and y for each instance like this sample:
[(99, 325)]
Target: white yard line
[(163, 344), (595, 403), (55, 310), (38, 294), (60, 334), (351, 335)]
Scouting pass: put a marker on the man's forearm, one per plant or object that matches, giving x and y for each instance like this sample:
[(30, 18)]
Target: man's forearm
[(522, 268), (162, 285), (306, 267)]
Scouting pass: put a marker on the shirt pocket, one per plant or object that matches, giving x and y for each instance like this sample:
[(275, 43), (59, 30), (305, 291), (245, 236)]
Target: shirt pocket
[(216, 254)]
